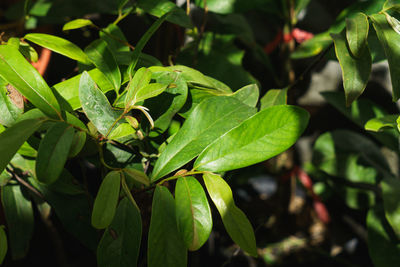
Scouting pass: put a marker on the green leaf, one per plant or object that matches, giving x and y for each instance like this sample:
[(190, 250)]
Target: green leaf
[(149, 91), (66, 184), (235, 221), (19, 216), (360, 112), (389, 40), (248, 94), (394, 23), (3, 244), (165, 245), (106, 200), (120, 243), (355, 71), (357, 33), (76, 24), (12, 139), (391, 201), (254, 140), (141, 79), (380, 123), (313, 46), (115, 39), (99, 54), (208, 121), (121, 131), (274, 97), (384, 250), (72, 210), (95, 105), (143, 41), (193, 213), (163, 108), (25, 78), (69, 89), (58, 45), (159, 8), (53, 152), (78, 142), (137, 175), (8, 109)]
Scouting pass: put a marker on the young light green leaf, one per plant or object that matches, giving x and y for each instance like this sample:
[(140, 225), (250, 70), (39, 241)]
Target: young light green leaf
[(211, 119), (383, 249), (165, 245), (256, 139), (248, 94), (389, 40), (141, 79), (149, 91), (120, 243), (99, 54), (194, 76), (143, 41), (3, 244), (391, 201), (76, 24), (58, 45), (8, 109), (274, 97), (355, 71), (95, 105), (12, 139), (19, 216), (106, 200), (115, 39), (193, 213), (357, 33), (235, 221), (24, 77), (380, 123), (393, 22), (53, 152)]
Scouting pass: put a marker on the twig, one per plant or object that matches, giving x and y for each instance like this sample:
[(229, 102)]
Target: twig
[(24, 183)]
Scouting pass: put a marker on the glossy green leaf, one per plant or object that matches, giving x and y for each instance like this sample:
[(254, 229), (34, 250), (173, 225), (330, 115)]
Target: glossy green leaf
[(99, 54), (248, 94), (76, 24), (137, 175), (391, 201), (3, 244), (162, 107), (384, 250), (143, 41), (165, 245), (95, 105), (19, 216), (389, 40), (193, 213), (357, 33), (193, 76), (106, 200), (25, 78), (141, 79), (115, 39), (255, 140), (58, 45), (274, 97), (121, 131), (355, 71), (53, 152), (120, 243), (235, 221), (12, 139), (149, 91), (69, 89), (380, 123), (211, 119), (8, 110), (160, 7)]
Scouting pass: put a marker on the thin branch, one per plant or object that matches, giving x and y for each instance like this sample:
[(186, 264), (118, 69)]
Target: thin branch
[(26, 184)]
